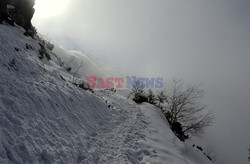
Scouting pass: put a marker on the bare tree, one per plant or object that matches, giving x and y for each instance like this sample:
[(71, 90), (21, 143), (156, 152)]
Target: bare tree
[(76, 72), (184, 106)]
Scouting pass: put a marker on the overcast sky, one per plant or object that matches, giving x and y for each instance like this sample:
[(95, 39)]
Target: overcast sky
[(197, 40)]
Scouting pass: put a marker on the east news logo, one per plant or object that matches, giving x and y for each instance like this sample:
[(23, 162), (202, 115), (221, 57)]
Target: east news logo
[(94, 82)]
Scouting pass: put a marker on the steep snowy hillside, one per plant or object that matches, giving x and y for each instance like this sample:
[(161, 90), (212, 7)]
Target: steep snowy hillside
[(89, 65), (46, 119)]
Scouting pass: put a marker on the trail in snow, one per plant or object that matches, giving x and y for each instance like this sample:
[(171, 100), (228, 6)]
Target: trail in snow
[(144, 135), (129, 128)]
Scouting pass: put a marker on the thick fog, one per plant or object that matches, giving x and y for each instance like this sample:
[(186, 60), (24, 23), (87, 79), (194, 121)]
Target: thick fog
[(197, 40)]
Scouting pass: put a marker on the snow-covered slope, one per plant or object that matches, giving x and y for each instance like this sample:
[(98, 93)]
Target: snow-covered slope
[(45, 119), (88, 65)]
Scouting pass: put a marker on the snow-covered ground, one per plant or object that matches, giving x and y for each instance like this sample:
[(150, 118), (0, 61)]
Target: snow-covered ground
[(46, 119)]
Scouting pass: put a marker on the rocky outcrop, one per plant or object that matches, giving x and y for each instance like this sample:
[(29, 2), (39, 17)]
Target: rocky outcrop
[(20, 12), (3, 10)]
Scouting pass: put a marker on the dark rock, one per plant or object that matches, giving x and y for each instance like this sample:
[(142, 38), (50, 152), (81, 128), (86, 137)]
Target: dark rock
[(21, 13), (62, 78), (24, 13), (200, 148), (68, 69), (17, 49), (28, 46), (3, 11)]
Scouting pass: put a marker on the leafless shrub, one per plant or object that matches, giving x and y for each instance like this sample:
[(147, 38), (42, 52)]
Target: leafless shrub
[(184, 106)]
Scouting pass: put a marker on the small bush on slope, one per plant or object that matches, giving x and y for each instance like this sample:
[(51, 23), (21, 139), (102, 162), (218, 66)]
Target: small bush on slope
[(140, 97), (138, 93), (151, 97), (178, 131), (49, 45)]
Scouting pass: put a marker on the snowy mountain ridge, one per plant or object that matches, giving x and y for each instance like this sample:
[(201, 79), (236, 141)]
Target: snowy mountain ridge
[(47, 119)]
